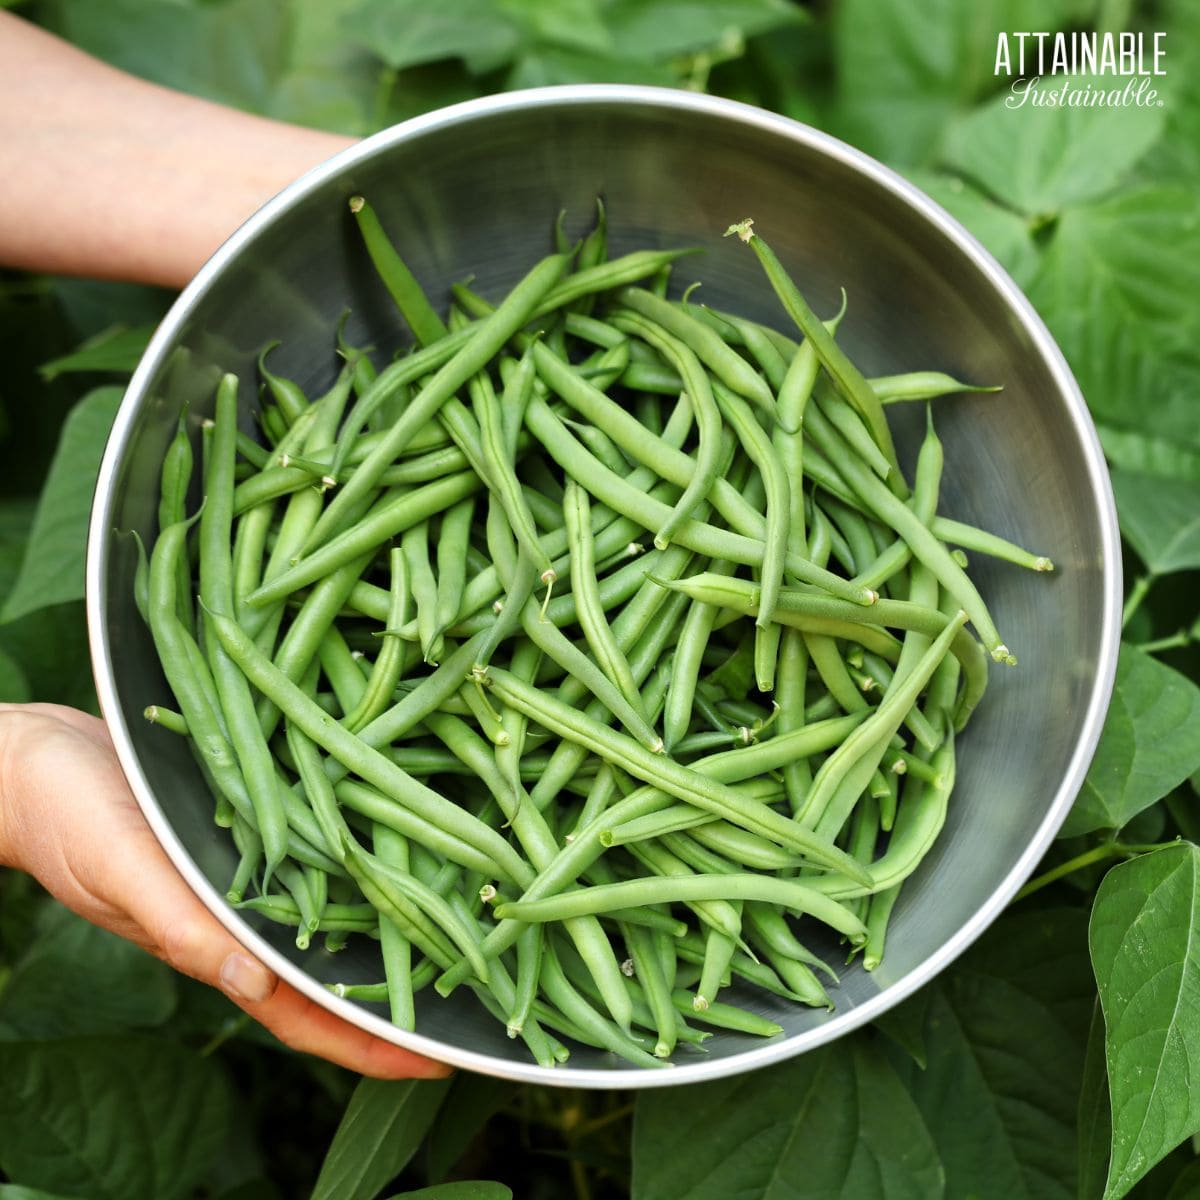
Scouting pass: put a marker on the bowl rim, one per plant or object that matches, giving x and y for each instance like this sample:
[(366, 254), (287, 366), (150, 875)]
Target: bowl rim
[(1109, 551)]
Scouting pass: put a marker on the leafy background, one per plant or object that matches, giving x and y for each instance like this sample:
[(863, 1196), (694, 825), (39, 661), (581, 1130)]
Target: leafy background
[(1056, 1058)]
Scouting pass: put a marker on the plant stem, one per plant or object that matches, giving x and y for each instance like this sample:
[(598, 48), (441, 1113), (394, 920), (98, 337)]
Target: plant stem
[(231, 1029), (1137, 594), (1086, 859), (1174, 642)]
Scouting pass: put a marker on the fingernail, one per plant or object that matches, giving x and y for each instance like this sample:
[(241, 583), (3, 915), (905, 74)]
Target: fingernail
[(245, 978)]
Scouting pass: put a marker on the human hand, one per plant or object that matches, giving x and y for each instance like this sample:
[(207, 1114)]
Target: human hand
[(112, 177), (68, 818)]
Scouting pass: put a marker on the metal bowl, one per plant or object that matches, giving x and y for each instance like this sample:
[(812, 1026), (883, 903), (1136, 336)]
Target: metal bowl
[(475, 189)]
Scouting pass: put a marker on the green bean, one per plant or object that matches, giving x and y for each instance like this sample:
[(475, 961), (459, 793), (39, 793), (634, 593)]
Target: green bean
[(920, 385), (318, 790), (921, 542), (250, 854), (686, 668), (357, 918), (485, 340), (414, 544), (762, 454), (589, 607), (979, 541), (499, 471), (604, 276), (643, 643), (805, 611), (728, 1016), (676, 780), (595, 1029), (879, 911), (695, 535), (343, 669), (400, 282), (168, 718), (172, 506), (534, 724), (791, 894), (725, 363), (746, 848), (319, 424), (359, 756), (288, 395), (845, 419), (841, 370), (389, 663), (299, 885), (539, 846), (216, 593), (760, 347), (431, 694), (847, 770), (655, 988), (556, 646), (716, 912), (719, 950), (388, 881), (388, 519), (708, 417)]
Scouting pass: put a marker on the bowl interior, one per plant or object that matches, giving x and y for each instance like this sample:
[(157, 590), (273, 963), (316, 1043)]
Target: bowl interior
[(475, 191)]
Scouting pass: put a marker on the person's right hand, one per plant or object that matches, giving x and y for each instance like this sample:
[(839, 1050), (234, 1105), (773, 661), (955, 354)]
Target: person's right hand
[(68, 818)]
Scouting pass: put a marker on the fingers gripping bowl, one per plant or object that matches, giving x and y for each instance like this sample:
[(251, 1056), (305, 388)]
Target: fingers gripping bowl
[(483, 184)]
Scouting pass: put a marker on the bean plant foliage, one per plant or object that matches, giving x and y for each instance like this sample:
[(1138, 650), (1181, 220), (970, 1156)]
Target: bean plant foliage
[(1057, 1058)]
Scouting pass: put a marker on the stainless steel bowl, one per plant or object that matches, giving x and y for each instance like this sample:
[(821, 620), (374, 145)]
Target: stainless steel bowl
[(474, 189)]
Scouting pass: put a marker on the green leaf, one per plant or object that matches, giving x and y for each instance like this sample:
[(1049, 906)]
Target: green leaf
[(51, 647), (1002, 232), (1187, 1183), (655, 30), (468, 1107), (1117, 287), (115, 349), (14, 1191), (1039, 160), (48, 647), (110, 1118), (125, 987), (1143, 453), (572, 23), (905, 1026), (252, 1189), (21, 902), (231, 51), (14, 686), (52, 570), (1150, 744), (905, 67), (551, 67), (1095, 1119), (380, 1131), (1146, 955), (406, 33), (329, 82), (472, 1189), (834, 1122), (1005, 1039), (1160, 519), (1177, 156)]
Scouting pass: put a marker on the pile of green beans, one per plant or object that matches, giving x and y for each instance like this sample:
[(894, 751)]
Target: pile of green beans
[(594, 652)]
